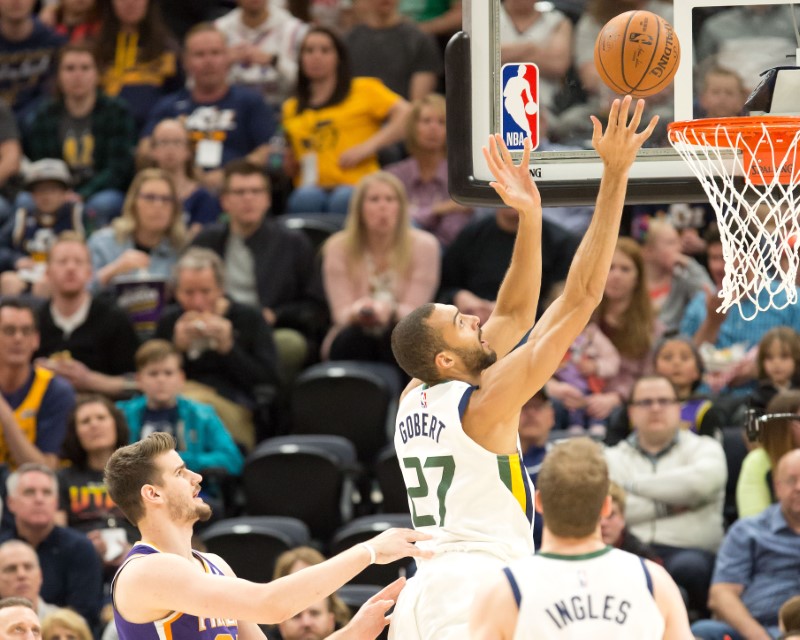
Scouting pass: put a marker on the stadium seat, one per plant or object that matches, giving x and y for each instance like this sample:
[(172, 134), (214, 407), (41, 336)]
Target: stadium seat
[(309, 477), (357, 400), (389, 480), (251, 544), (317, 227), (361, 530)]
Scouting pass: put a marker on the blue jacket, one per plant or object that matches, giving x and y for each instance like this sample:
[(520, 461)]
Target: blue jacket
[(206, 442)]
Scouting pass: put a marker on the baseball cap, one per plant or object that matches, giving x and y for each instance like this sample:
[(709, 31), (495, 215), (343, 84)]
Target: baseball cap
[(48, 169)]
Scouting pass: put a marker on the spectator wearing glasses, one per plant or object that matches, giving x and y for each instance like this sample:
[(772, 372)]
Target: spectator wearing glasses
[(34, 402), (147, 237), (675, 483)]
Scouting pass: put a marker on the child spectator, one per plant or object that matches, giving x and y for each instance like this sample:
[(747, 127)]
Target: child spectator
[(26, 239), (202, 441), (778, 361), (615, 530), (590, 362)]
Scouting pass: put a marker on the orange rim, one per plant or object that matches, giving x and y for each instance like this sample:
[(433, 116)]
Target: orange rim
[(748, 132)]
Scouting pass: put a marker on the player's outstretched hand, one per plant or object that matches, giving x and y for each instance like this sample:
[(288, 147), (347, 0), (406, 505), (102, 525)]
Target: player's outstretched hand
[(621, 141), (394, 544), (371, 618), (513, 183)]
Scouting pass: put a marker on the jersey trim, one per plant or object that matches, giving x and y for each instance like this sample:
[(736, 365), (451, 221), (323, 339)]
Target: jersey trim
[(647, 576), (514, 586), (580, 556), (462, 404), (514, 476)]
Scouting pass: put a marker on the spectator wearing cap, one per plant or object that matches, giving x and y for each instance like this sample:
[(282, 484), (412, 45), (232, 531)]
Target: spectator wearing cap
[(26, 239), (92, 132)]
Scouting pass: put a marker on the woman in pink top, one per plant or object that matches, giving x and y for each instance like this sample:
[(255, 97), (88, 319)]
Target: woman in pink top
[(375, 271)]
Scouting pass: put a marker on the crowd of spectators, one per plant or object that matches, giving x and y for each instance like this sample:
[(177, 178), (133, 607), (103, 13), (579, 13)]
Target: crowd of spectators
[(150, 153)]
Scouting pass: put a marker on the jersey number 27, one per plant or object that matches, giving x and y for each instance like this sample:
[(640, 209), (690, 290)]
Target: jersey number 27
[(448, 466)]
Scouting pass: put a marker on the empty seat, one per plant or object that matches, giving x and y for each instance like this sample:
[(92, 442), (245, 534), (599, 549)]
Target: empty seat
[(317, 227), (251, 544), (390, 483), (309, 477), (357, 400), (361, 530)]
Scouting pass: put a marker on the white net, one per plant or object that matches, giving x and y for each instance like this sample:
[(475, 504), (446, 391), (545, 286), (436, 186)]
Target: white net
[(749, 171)]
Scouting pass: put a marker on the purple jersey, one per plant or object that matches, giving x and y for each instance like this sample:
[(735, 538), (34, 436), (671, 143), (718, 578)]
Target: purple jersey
[(175, 626)]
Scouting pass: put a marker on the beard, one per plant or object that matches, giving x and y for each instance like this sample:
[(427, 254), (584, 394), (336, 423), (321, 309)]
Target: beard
[(476, 360), (190, 512)]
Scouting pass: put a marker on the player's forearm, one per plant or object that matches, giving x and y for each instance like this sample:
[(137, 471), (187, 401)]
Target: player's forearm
[(592, 262), (519, 292)]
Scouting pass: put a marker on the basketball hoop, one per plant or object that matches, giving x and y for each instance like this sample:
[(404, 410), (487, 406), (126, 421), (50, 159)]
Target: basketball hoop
[(750, 170)]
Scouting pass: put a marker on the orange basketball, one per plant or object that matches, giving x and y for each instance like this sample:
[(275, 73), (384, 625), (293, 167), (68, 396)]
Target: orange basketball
[(637, 52)]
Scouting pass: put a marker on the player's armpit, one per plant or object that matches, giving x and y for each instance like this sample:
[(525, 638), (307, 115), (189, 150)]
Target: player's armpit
[(670, 602), (494, 611)]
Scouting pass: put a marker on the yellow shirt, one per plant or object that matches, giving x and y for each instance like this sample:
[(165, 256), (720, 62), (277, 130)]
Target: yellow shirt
[(331, 130), (27, 411)]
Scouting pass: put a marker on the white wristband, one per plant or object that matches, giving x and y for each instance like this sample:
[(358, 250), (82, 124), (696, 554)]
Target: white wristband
[(371, 550)]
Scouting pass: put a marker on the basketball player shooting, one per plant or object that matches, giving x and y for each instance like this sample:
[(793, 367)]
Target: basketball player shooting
[(577, 586), (456, 429), (165, 589)]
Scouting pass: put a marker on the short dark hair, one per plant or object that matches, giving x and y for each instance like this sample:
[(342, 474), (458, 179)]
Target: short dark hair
[(415, 344), (71, 448), (132, 467), (19, 303), (573, 483), (243, 167), (651, 376)]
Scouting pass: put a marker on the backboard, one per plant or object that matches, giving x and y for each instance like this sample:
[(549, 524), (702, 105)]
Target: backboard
[(474, 72)]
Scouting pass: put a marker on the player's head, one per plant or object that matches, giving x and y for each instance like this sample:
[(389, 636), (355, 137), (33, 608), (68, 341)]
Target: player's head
[(436, 342), (149, 476), (573, 488)]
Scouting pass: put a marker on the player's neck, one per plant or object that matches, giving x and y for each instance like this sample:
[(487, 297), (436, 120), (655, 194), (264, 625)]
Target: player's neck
[(558, 545), (168, 536)]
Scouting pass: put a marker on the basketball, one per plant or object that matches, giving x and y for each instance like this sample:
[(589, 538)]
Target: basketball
[(637, 53), (530, 108)]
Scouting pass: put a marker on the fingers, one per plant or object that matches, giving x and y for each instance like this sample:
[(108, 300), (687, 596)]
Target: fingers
[(390, 591), (613, 113), (637, 115), (597, 131), (650, 128)]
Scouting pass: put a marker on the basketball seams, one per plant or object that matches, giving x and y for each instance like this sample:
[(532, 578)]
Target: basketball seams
[(615, 67), (649, 65)]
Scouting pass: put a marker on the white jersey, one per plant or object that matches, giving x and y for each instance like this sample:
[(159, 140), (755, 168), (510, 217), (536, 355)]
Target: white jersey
[(605, 595), (464, 496)]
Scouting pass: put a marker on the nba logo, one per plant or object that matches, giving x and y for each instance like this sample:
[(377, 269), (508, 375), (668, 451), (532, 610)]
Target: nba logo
[(520, 105), (423, 399)]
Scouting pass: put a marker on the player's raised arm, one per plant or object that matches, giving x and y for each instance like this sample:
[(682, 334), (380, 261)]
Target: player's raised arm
[(518, 296), (512, 381)]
